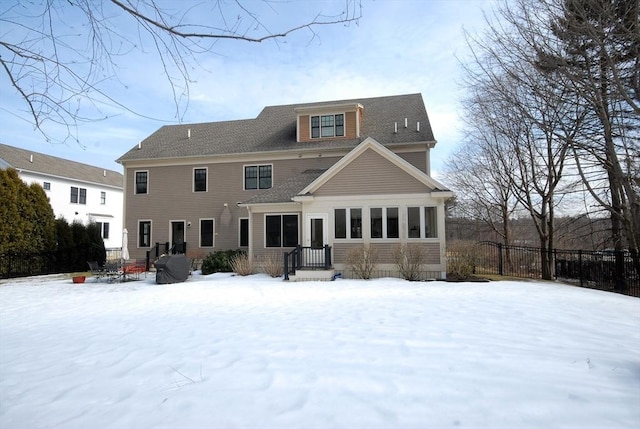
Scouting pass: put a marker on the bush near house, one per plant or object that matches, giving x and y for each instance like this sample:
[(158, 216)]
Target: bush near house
[(462, 258), (409, 260), (361, 260), (219, 261), (272, 264)]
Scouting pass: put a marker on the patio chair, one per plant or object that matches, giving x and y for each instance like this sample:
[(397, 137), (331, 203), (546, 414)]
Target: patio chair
[(96, 270)]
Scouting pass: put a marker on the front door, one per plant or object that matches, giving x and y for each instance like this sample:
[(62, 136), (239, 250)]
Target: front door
[(316, 238), (177, 236)]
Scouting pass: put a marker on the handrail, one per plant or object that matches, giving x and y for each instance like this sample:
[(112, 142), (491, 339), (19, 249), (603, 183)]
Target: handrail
[(313, 258)]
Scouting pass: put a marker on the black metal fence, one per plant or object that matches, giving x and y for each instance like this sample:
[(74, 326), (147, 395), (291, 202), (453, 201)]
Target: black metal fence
[(30, 264), (613, 271)]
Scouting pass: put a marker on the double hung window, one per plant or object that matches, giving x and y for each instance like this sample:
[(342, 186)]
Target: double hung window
[(348, 223), (281, 230), (258, 176), (142, 180), (384, 222), (199, 180), (422, 222), (78, 195), (144, 233), (327, 126), (206, 232)]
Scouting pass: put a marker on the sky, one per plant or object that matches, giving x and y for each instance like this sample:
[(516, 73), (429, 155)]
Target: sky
[(396, 47)]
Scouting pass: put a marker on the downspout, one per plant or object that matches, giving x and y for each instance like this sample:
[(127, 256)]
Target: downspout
[(250, 226)]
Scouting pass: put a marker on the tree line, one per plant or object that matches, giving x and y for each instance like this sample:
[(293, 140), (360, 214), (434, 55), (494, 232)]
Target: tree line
[(552, 120), (28, 226)]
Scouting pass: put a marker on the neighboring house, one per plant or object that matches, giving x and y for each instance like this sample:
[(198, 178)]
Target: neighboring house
[(341, 174), (76, 191)]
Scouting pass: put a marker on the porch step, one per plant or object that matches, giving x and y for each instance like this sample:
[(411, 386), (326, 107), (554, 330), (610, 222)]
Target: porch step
[(312, 275)]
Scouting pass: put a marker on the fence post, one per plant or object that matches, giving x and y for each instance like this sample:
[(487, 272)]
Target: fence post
[(580, 268), (286, 266), (500, 258), (619, 271)]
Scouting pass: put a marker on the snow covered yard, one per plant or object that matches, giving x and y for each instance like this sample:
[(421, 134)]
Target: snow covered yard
[(230, 352)]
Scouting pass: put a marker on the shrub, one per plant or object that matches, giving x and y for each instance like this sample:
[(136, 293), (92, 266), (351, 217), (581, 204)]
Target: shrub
[(461, 258), (361, 260), (273, 264), (409, 260), (219, 261), (241, 264)]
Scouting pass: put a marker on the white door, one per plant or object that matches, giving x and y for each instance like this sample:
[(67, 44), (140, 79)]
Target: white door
[(316, 237)]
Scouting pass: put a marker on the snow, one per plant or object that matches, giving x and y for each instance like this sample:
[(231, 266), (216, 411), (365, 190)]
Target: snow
[(224, 351)]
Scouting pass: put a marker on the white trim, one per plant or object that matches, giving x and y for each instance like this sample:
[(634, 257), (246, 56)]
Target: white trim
[(135, 183), (264, 232), (184, 229), (348, 223), (307, 228), (258, 165), (150, 233), (370, 143), (193, 179), (213, 233), (240, 219)]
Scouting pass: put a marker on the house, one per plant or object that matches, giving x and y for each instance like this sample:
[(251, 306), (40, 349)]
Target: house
[(76, 191), (340, 174)]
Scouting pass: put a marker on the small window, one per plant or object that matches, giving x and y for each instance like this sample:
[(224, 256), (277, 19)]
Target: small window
[(144, 233), (46, 186), (103, 197), (199, 180), (281, 230), (142, 182), (422, 222), (257, 176), (327, 126), (83, 196), (244, 232), (74, 195), (384, 222), (104, 229), (206, 232), (348, 223)]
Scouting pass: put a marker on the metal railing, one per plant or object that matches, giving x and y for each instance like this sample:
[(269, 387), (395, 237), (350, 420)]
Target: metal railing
[(307, 258), (168, 250), (609, 270)]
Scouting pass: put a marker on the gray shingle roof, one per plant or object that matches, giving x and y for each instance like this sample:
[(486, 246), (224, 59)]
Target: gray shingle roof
[(274, 129), (21, 159), (285, 190)]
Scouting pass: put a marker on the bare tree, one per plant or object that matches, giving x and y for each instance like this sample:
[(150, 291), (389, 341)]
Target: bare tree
[(57, 55)]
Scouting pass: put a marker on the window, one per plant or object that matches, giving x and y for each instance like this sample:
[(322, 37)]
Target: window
[(348, 223), (422, 222), (199, 180), (206, 232), (327, 126), (104, 229), (281, 230), (257, 176), (103, 197), (78, 195), (144, 233), (244, 232), (46, 186), (384, 222), (142, 182)]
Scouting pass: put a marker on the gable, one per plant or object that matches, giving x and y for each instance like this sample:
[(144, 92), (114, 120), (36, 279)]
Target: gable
[(369, 174)]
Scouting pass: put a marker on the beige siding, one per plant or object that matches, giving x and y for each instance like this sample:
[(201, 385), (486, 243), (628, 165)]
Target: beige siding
[(417, 159), (304, 131), (371, 174), (170, 197), (386, 251)]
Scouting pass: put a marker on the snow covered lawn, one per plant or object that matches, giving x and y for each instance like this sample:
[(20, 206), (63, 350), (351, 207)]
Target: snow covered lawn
[(230, 352)]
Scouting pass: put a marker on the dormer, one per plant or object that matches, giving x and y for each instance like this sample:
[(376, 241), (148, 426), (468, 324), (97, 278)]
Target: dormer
[(329, 121)]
